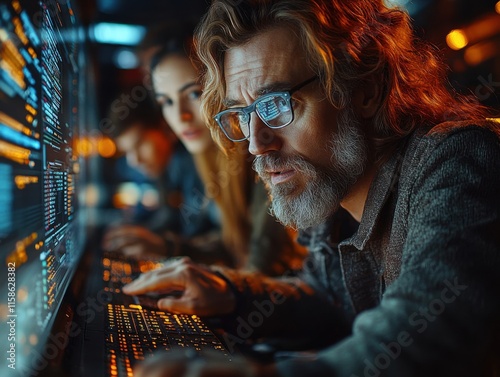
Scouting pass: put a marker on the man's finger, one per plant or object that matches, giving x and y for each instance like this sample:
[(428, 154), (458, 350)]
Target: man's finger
[(155, 281), (178, 305)]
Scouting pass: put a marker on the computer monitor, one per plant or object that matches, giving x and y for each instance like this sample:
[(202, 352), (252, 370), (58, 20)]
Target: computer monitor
[(42, 115)]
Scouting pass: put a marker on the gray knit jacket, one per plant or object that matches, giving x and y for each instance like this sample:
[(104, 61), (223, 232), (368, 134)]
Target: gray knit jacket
[(416, 290)]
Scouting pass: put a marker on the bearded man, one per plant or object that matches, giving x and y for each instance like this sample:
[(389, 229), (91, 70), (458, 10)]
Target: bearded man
[(347, 114)]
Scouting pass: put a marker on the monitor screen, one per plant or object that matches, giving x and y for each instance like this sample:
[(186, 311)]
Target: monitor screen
[(42, 90)]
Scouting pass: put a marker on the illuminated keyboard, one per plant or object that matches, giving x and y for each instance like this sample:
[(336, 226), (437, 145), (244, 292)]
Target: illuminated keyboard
[(117, 272), (134, 331)]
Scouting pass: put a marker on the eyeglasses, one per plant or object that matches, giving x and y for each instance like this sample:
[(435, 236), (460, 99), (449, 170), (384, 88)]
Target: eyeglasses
[(274, 109)]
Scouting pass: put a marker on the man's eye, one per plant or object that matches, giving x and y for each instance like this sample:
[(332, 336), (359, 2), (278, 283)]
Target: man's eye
[(243, 118), (283, 105)]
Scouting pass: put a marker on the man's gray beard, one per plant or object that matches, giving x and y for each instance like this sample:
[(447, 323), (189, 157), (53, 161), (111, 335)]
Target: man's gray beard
[(324, 189)]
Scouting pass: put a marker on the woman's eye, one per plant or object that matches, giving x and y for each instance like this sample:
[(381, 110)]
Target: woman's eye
[(194, 95), (164, 101)]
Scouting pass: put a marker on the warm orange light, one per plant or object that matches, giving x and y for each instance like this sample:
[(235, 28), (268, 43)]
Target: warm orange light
[(22, 295), (84, 147), (22, 180), (480, 52), (456, 39), (76, 167), (19, 255), (497, 7), (127, 195), (91, 195), (13, 62), (106, 147), (118, 201), (473, 56), (32, 52), (16, 125), (17, 6), (33, 339), (18, 28), (13, 152)]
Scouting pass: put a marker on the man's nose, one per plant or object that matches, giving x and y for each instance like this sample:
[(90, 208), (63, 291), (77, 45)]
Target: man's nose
[(262, 139)]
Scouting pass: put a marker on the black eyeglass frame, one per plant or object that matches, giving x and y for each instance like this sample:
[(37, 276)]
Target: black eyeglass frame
[(287, 95)]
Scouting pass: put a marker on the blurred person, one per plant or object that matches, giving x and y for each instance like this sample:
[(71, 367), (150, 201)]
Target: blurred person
[(346, 111), (143, 137), (251, 236)]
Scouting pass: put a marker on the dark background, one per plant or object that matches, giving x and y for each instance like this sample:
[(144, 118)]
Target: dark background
[(433, 20)]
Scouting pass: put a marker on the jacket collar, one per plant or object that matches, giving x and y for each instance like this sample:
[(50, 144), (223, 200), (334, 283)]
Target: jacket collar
[(383, 184), (378, 194)]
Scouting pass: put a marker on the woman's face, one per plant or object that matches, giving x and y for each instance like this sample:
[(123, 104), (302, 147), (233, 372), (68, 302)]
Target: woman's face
[(178, 92)]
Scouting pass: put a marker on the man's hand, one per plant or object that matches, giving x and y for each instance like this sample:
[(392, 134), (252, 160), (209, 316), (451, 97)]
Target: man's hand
[(135, 241), (180, 363), (204, 293)]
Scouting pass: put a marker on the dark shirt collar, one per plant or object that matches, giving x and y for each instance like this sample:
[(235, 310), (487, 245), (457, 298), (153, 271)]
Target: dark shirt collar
[(384, 182)]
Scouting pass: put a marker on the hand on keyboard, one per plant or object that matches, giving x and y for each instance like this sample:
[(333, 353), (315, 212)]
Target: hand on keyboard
[(204, 292), (135, 242)]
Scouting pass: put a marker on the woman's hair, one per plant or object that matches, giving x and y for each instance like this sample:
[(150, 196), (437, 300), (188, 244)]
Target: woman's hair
[(226, 180), (346, 41), (178, 41)]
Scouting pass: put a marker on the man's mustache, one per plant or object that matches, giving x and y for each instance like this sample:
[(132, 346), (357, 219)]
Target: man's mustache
[(274, 163)]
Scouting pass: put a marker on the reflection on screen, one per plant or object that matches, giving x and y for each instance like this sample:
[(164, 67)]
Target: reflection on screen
[(40, 120)]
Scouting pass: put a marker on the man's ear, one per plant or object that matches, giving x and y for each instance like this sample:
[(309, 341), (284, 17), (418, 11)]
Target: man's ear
[(368, 97)]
